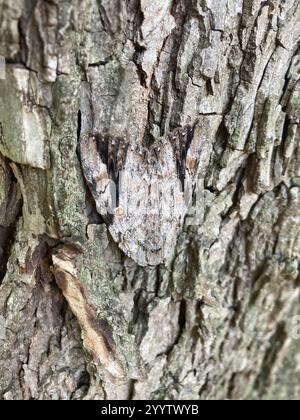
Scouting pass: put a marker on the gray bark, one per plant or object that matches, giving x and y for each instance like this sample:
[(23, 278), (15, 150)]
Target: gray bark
[(78, 318)]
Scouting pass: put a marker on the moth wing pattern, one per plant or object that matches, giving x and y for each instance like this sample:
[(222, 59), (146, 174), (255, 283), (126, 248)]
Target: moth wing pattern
[(147, 208), (101, 162)]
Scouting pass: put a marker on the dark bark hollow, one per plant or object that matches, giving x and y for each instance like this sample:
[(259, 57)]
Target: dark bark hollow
[(172, 305)]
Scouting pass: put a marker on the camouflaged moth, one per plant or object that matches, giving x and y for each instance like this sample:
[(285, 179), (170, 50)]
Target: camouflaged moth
[(141, 193)]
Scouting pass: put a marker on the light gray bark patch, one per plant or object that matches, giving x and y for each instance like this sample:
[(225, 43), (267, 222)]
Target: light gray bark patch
[(24, 127)]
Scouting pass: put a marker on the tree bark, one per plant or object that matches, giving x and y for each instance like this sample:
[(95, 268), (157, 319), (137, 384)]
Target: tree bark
[(79, 319)]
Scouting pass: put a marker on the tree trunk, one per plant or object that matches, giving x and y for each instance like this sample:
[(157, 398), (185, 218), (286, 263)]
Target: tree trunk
[(81, 318)]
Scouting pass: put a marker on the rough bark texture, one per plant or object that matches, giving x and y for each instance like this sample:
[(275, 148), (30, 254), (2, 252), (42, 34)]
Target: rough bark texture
[(79, 319)]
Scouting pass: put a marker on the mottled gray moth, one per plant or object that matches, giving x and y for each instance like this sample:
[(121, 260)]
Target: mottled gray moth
[(142, 193)]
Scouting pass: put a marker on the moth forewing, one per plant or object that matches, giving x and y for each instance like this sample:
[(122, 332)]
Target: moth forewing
[(150, 199)]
